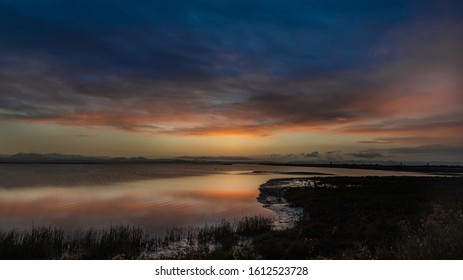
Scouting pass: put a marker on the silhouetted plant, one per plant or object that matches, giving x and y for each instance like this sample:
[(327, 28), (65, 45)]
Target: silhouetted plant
[(254, 225)]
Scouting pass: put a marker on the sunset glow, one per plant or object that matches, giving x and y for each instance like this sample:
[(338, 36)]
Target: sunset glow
[(334, 80)]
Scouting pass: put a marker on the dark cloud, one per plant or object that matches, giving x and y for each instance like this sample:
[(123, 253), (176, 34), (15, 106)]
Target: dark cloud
[(191, 39), (197, 39), (366, 155), (388, 72), (311, 155), (218, 158), (429, 149), (333, 155), (375, 142), (423, 153)]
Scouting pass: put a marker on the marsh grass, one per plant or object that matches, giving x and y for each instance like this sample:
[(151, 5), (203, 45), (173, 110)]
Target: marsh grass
[(36, 243), (373, 218), (126, 242), (253, 225), (439, 235), (222, 233)]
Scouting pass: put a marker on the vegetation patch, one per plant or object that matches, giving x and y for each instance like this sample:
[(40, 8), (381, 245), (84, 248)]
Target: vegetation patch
[(374, 218)]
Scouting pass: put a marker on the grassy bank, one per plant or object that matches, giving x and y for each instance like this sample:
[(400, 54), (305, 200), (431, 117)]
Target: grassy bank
[(361, 218), (373, 218)]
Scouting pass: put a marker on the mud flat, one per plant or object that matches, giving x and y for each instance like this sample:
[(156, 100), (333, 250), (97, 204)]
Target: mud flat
[(272, 196)]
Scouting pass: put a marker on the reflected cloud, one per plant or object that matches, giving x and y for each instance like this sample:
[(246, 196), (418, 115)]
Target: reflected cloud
[(153, 204)]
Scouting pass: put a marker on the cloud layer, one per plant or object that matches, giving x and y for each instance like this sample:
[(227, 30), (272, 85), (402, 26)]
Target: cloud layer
[(389, 72)]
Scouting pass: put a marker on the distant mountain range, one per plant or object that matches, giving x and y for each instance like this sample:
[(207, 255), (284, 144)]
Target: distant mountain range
[(62, 158)]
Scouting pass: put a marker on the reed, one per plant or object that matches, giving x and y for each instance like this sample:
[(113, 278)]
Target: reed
[(254, 225), (122, 242)]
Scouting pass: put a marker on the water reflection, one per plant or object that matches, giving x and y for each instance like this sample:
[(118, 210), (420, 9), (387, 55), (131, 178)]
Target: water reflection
[(214, 193), (152, 204)]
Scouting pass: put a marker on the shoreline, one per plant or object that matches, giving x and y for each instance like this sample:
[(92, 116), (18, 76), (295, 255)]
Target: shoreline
[(272, 196)]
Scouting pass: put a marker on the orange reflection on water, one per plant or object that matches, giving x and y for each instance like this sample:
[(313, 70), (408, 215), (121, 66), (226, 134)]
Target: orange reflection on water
[(152, 204), (155, 204), (226, 194)]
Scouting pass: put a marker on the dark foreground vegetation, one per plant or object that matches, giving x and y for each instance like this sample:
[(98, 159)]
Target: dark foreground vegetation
[(373, 218), (220, 240), (361, 218)]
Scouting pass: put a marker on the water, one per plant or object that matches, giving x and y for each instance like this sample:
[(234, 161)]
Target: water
[(153, 196)]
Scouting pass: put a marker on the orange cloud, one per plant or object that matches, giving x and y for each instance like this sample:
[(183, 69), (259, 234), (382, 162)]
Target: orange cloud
[(417, 94)]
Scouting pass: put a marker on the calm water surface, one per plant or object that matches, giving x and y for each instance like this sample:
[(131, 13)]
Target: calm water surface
[(153, 196)]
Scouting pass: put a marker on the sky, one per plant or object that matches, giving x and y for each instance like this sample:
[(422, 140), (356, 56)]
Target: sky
[(287, 80)]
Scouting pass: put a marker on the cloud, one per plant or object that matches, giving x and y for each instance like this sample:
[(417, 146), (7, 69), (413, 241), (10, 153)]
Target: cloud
[(310, 155), (333, 155), (374, 142), (217, 158), (423, 153), (397, 140), (210, 69), (366, 155), (429, 149)]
